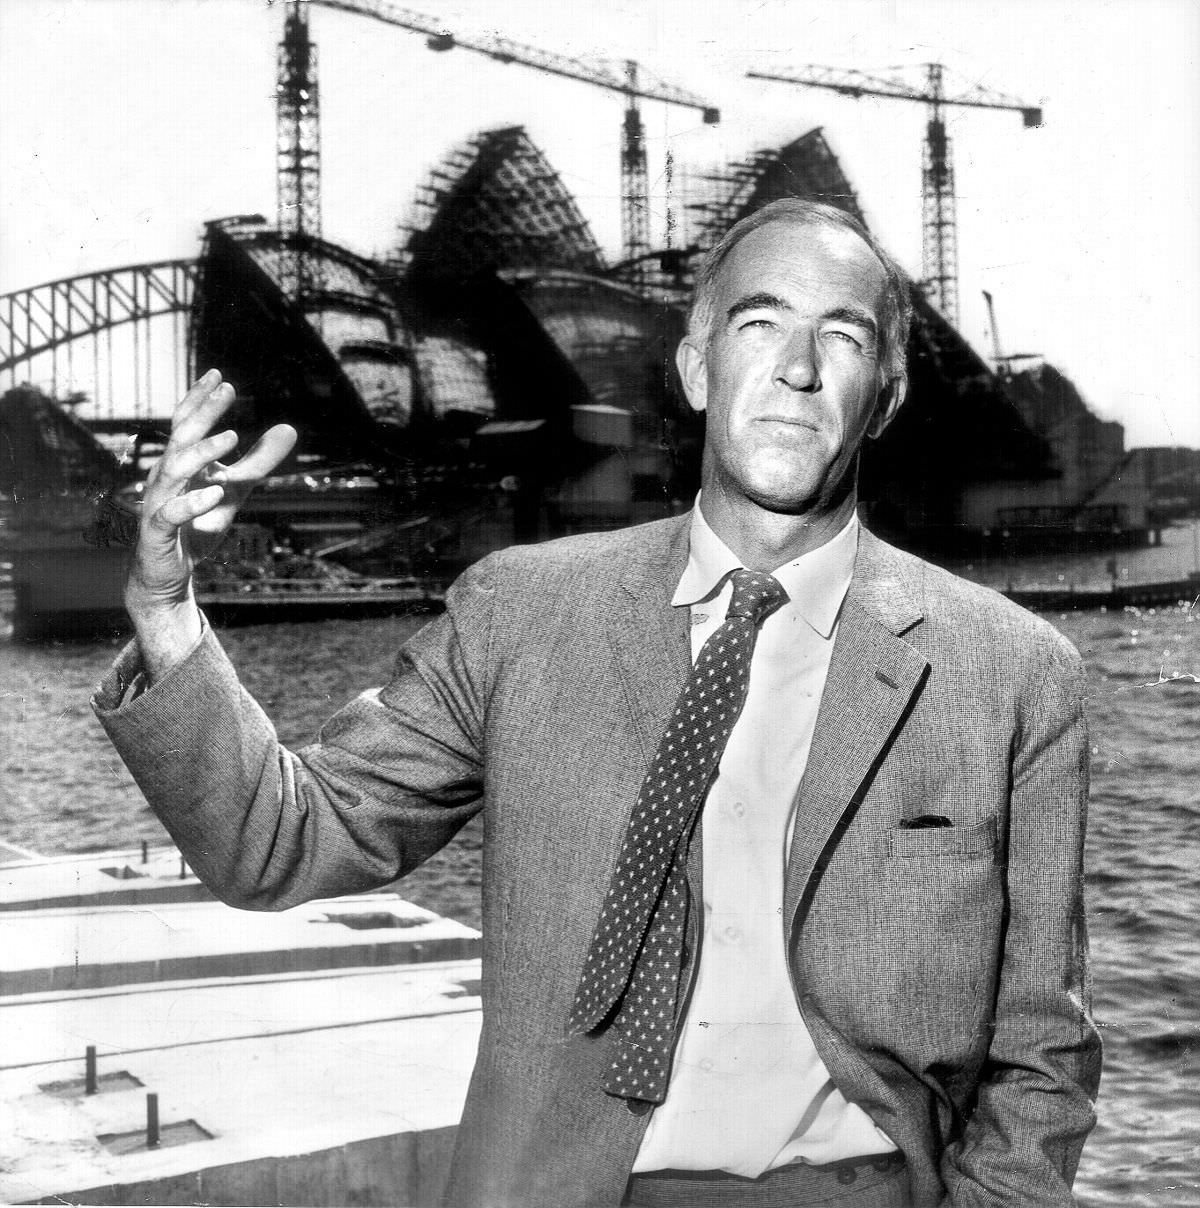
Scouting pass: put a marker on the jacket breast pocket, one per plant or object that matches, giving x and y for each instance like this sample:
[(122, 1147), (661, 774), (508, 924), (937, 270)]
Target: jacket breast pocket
[(971, 841)]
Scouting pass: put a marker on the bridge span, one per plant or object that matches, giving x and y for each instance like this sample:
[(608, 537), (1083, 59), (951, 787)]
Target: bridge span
[(116, 342)]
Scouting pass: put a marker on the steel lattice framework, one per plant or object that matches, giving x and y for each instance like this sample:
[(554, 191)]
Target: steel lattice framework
[(805, 167), (298, 150), (497, 202), (635, 183), (633, 83), (940, 238), (38, 320), (939, 206)]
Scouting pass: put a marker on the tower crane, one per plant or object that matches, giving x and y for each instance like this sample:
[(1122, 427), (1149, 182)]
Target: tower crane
[(297, 151), (939, 260), (1004, 361), (629, 83)]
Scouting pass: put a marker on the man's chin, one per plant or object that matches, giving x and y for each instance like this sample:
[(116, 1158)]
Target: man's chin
[(783, 506), (797, 493), (783, 501), (782, 486)]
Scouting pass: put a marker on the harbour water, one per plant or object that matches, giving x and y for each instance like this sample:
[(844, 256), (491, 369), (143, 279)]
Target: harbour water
[(62, 789)]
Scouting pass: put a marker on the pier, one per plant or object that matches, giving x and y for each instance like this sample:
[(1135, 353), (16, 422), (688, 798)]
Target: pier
[(158, 1047)]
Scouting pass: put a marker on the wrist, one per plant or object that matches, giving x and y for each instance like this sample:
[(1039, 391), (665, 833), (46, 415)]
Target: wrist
[(167, 631)]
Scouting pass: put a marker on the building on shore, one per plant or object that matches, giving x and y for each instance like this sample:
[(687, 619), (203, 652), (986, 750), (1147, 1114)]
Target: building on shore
[(1093, 496), (1171, 475), (61, 531), (493, 379)]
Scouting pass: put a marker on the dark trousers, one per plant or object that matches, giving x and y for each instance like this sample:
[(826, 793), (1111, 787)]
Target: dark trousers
[(873, 1182)]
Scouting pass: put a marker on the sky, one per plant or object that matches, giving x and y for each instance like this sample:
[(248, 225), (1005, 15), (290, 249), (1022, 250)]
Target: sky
[(126, 124)]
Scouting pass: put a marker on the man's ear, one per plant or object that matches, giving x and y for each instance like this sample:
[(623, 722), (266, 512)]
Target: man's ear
[(886, 406), (693, 373)]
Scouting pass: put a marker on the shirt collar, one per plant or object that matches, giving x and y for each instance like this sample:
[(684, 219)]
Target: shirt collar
[(816, 582)]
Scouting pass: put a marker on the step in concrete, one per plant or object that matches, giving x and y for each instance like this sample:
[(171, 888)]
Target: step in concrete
[(57, 1028), (95, 947), (403, 1170), (117, 878)]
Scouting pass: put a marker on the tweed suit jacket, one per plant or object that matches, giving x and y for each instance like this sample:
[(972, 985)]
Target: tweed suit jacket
[(941, 972)]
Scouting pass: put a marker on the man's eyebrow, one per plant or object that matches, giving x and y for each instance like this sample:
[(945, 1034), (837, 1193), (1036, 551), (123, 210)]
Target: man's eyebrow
[(838, 314), (855, 315), (756, 302)]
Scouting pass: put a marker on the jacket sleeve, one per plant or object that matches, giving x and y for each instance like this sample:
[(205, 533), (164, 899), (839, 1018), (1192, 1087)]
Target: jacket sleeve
[(393, 777), (1035, 1103)]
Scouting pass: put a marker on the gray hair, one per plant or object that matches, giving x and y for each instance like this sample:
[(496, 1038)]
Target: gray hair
[(897, 304)]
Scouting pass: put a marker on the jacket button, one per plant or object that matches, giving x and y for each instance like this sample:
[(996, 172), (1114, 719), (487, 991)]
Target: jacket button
[(638, 1107)]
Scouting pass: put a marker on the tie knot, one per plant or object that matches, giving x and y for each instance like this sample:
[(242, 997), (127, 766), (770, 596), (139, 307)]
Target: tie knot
[(755, 595)]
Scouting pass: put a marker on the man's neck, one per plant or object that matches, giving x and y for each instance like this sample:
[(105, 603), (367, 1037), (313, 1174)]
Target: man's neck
[(765, 540)]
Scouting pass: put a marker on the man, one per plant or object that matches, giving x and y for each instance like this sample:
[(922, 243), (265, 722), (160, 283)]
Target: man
[(783, 827)]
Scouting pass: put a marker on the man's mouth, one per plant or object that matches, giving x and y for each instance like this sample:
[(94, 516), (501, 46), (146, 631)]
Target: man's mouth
[(791, 421)]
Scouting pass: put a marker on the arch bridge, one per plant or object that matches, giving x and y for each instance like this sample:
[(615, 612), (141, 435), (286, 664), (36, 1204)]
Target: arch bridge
[(112, 341)]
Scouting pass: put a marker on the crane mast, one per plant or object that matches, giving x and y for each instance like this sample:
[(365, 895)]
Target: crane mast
[(298, 151), (939, 220), (939, 226), (635, 184), (299, 154)]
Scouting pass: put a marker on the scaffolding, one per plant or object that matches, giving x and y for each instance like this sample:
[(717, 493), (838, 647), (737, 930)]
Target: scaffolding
[(494, 203), (298, 153), (806, 167)]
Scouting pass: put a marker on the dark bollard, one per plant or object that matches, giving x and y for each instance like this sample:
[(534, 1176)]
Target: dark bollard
[(182, 867), (152, 1133), (89, 1070), (145, 852)]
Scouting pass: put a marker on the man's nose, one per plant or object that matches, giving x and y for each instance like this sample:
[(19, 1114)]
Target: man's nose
[(797, 366)]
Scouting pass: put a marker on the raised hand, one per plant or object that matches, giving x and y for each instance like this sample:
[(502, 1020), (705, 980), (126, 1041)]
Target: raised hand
[(190, 501)]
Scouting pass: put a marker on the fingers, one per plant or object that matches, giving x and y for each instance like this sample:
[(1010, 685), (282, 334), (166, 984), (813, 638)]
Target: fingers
[(239, 480), (165, 521), (197, 392), (200, 408), (190, 450), (267, 452), (178, 466), (185, 505), (161, 569), (190, 486)]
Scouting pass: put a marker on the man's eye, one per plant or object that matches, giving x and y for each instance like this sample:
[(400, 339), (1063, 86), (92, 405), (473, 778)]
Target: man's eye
[(844, 335), (757, 323)]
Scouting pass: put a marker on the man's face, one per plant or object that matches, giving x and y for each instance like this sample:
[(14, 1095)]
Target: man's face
[(790, 375)]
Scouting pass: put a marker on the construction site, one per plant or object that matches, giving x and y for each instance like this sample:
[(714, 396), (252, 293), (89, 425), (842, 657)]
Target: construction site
[(494, 378), (499, 373)]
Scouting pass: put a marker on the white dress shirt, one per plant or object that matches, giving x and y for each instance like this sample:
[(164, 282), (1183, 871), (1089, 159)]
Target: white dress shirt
[(748, 1091)]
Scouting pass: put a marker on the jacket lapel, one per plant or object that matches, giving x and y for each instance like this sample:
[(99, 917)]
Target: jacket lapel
[(872, 677), (649, 638)]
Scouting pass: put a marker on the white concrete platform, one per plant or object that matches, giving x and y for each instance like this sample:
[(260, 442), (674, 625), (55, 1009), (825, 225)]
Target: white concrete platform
[(32, 882), (46, 1029), (314, 1056), (329, 1088), (94, 947)]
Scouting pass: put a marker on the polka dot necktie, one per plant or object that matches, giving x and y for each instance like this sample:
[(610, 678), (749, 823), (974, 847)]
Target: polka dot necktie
[(631, 977)]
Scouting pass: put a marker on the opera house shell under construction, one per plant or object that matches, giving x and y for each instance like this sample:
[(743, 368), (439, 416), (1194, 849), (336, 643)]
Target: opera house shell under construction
[(500, 382)]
